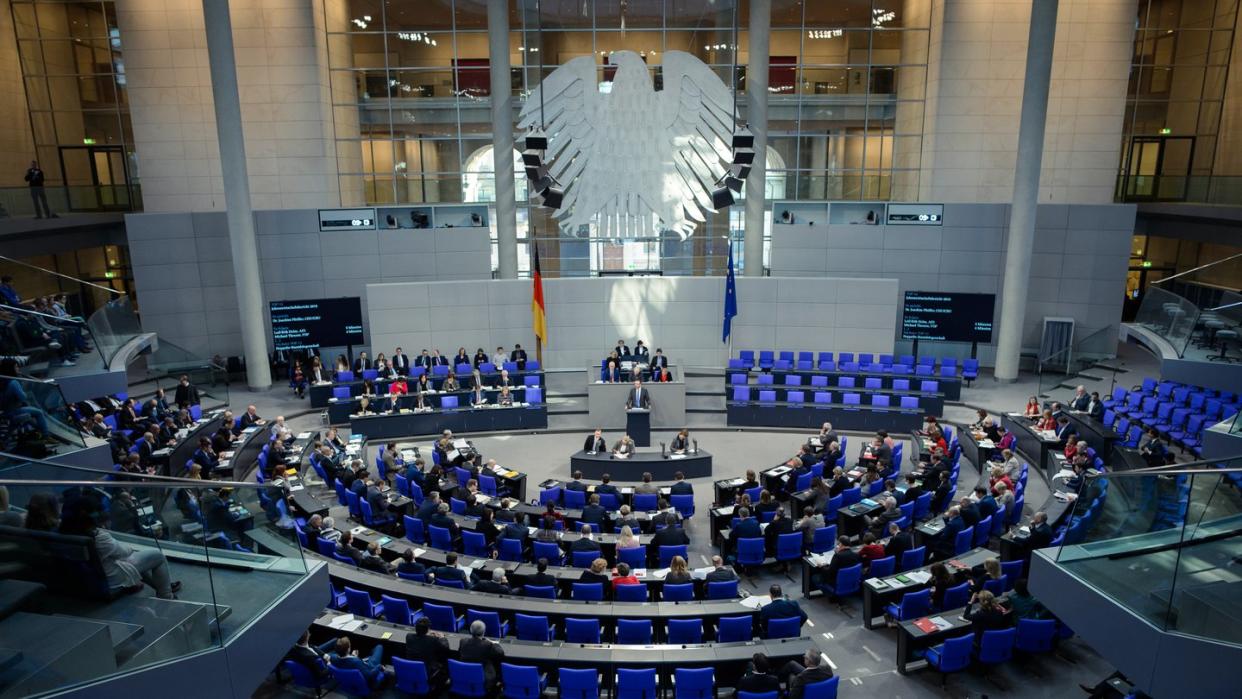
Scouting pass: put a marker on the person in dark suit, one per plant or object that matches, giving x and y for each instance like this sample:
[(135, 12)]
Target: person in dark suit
[(985, 502), (478, 649), (595, 442), (1080, 401), (639, 397), (843, 557), (810, 671), (409, 565), (839, 483), (345, 547), (594, 513), (313, 658), (576, 483), (371, 560), (612, 371), (669, 536), (516, 529), (376, 499), (205, 456), (986, 614), (969, 512), (780, 524), (913, 489), (943, 543), (747, 528), (621, 349), (680, 486), (541, 577), (658, 361), (898, 542), (780, 607), (443, 520), (145, 446), (363, 362), (586, 542), (758, 678), (450, 571), (518, 356), (438, 359), (430, 506), (1041, 533), (641, 354), (498, 584), (431, 648), (1095, 408), (401, 362), (681, 442), (720, 572), (187, 393)]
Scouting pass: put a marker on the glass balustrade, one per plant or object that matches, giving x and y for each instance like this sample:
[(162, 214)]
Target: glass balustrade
[(35, 420), (1082, 354), (1169, 316), (48, 346), (1164, 543), (116, 575), (114, 324)]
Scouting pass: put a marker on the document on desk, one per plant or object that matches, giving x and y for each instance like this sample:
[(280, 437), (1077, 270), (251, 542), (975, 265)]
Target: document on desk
[(676, 456), (340, 619), (1064, 473), (819, 560), (418, 553), (736, 482), (779, 471), (452, 454), (461, 444), (304, 435), (756, 601), (919, 576)]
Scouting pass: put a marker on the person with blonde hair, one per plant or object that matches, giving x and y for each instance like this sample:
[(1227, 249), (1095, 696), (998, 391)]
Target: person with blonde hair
[(678, 572), (626, 539)]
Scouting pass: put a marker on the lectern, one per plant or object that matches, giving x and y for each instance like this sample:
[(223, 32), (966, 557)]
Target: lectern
[(638, 426)]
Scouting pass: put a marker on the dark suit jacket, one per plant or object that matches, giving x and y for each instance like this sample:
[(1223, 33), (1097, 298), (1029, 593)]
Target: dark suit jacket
[(432, 650), (782, 608), (481, 650), (840, 559), (798, 683), (1041, 537), (575, 485), (360, 364), (379, 504), (912, 494), (584, 544), (681, 488), (971, 515), (745, 529), (644, 399), (448, 573), (541, 580), (898, 545), (758, 683), (594, 443), (721, 575), (670, 536), (186, 395), (309, 658), (594, 514), (945, 539), (658, 361), (1079, 403), (784, 525), (515, 531)]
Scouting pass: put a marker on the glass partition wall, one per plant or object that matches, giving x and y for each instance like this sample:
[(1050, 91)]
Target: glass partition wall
[(411, 94), (170, 567)]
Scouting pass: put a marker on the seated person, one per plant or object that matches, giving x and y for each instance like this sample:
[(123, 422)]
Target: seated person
[(450, 571), (624, 447), (810, 671), (505, 397), (662, 375), (597, 573), (595, 443), (623, 576), (372, 668), (408, 565), (780, 607), (681, 442), (497, 584), (986, 614), (870, 550), (680, 486), (429, 647), (759, 678)]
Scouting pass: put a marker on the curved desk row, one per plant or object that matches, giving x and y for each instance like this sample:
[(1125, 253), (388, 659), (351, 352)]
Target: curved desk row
[(321, 393), (631, 469), (928, 403), (861, 418), (340, 411), (728, 659), (608, 612), (565, 576), (492, 419), (950, 386)]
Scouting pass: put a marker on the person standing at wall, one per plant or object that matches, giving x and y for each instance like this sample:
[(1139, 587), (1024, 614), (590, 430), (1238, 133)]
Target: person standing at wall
[(35, 177)]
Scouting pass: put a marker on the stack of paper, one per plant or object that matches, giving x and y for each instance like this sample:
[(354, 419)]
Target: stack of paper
[(756, 601), (658, 573), (304, 435), (820, 560), (701, 573), (919, 576)]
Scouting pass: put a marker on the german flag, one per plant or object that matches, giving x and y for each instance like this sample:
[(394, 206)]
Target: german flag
[(538, 312)]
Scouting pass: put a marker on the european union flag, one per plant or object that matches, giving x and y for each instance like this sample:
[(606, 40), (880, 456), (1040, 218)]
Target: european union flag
[(730, 300)]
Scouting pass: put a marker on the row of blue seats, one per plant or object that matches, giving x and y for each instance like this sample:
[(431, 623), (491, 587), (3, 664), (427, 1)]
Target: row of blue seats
[(1178, 411), (741, 394), (821, 381), (440, 370), (768, 360), (526, 682)]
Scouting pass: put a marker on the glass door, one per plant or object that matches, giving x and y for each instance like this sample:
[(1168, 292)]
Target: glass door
[(1158, 168), (97, 177)]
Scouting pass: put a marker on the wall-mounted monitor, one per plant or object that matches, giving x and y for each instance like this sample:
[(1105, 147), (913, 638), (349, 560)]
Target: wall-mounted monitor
[(312, 323), (947, 316), (346, 219)]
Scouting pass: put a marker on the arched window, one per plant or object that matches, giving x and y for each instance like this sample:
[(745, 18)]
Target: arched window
[(478, 183)]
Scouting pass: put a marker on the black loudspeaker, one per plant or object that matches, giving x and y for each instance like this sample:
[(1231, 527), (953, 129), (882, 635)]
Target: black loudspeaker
[(552, 197), (744, 156), (734, 183), (537, 141), (536, 173), (741, 139), (722, 198), (542, 184), (739, 171), (531, 158)]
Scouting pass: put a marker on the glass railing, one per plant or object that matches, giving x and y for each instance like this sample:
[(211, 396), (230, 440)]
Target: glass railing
[(49, 346), (210, 380), (16, 201), (35, 420), (136, 573), (114, 324), (1168, 315), (1080, 355), (1163, 543)]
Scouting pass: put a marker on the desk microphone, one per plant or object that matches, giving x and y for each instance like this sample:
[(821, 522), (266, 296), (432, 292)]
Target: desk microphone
[(696, 445), (663, 454)]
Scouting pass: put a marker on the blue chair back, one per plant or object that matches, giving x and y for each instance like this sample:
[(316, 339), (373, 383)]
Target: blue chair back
[(636, 683), (441, 538), (490, 619), (681, 592), (849, 581), (474, 544), (581, 630), (788, 627), (574, 499), (540, 591), (694, 683), (467, 679), (646, 502), (913, 558), (1035, 635), (591, 592), (731, 629), (684, 504), (882, 567), (302, 676), (633, 557), (996, 646), (411, 676), (633, 632), (914, 605), (549, 550), (631, 593), (442, 617), (666, 554), (350, 682), (953, 655), (956, 597), (578, 684), (522, 681), (961, 544), (510, 550), (583, 559), (722, 590), (751, 551), (824, 538), (789, 546)]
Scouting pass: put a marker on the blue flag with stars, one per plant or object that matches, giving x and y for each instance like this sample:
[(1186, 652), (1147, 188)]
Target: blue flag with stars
[(730, 300)]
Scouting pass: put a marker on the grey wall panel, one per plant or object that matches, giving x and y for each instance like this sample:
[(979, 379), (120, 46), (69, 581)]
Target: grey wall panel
[(1078, 266), (682, 315), (295, 261)]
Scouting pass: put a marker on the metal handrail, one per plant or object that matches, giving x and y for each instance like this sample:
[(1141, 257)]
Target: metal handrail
[(58, 274), (166, 481), (1189, 468), (58, 319), (1196, 269)]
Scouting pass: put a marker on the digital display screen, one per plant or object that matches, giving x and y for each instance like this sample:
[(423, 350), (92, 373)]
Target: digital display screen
[(313, 323), (947, 316)]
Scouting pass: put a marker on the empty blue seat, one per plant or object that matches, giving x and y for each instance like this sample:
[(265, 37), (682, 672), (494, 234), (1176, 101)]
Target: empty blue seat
[(340, 392), (411, 676), (750, 551), (1035, 635), (442, 617), (522, 681), (577, 684), (913, 558), (666, 553), (879, 400), (680, 592), (582, 630), (951, 656), (848, 582), (882, 567), (823, 397), (912, 606), (996, 647), (795, 397), (793, 380), (788, 627), (634, 632), (448, 402), (591, 592), (694, 684), (630, 593), (350, 682), (636, 683), (533, 627), (956, 597), (467, 679), (685, 631), (845, 382), (359, 603), (851, 399), (872, 383), (767, 396), (397, 610), (726, 589), (819, 381)]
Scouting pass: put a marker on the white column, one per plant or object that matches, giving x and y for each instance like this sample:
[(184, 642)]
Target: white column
[(757, 118), (502, 136), (240, 217), (1026, 187)]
